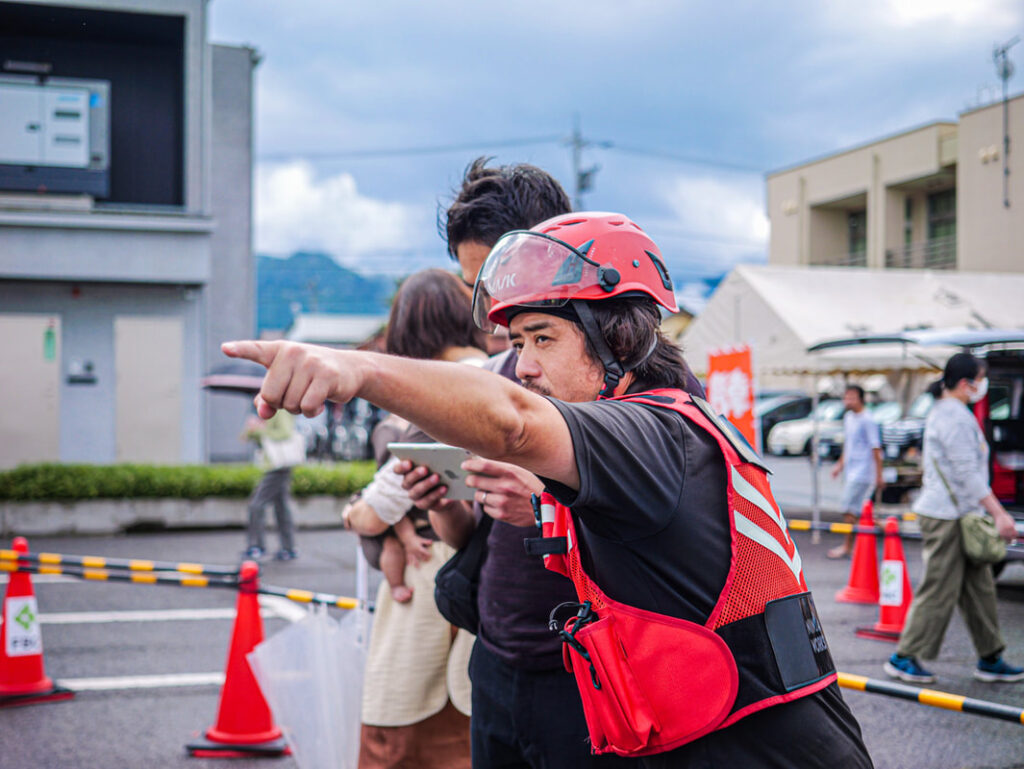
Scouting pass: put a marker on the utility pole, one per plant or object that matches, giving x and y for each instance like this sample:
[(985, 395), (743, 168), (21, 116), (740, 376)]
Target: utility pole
[(583, 178), (1004, 69)]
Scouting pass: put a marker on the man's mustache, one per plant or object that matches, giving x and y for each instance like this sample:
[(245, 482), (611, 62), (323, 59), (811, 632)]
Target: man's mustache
[(536, 388)]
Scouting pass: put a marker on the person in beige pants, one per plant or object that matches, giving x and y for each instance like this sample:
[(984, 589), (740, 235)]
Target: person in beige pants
[(955, 483)]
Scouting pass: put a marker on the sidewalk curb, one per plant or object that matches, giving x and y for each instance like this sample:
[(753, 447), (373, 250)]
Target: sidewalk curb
[(114, 516)]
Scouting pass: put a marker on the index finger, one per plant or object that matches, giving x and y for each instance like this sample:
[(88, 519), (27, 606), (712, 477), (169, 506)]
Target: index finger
[(482, 466), (260, 352)]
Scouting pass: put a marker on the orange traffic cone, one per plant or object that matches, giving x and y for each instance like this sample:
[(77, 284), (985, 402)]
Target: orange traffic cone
[(244, 727), (862, 586), (23, 679), (896, 594)]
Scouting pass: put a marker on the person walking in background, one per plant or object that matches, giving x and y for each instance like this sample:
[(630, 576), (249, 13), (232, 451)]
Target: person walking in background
[(955, 483), (861, 459), (280, 448)]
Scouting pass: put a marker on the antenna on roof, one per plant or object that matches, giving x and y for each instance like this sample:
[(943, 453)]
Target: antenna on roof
[(1004, 69)]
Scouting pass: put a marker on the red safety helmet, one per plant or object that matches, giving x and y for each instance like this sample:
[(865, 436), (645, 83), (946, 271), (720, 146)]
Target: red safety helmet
[(581, 256), (573, 259)]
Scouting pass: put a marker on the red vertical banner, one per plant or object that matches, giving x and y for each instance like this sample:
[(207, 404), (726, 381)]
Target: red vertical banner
[(731, 388)]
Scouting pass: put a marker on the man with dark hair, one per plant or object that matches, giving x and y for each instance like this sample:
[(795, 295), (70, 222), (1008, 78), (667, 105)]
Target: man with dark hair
[(862, 460), (693, 640), (493, 200), (516, 667)]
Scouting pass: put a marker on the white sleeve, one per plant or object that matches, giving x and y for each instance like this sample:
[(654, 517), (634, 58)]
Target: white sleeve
[(874, 434), (385, 494)]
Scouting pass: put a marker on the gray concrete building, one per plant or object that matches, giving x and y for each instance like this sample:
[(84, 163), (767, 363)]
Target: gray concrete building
[(125, 230)]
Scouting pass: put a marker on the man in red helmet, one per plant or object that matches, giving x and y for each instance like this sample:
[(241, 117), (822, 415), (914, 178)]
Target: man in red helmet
[(694, 641)]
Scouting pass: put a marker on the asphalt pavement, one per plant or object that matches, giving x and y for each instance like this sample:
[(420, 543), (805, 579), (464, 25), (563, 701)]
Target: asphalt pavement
[(116, 635)]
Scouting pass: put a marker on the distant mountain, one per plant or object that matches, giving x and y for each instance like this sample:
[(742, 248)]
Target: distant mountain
[(313, 282)]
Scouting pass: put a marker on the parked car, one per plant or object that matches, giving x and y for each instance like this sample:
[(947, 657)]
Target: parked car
[(884, 414), (783, 407), (768, 394), (905, 434), (794, 436)]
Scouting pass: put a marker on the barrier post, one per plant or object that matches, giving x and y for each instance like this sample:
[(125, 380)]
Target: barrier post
[(23, 679), (862, 586), (245, 726), (896, 593)]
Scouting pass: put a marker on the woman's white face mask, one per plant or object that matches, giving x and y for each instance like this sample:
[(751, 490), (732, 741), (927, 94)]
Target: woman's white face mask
[(980, 389)]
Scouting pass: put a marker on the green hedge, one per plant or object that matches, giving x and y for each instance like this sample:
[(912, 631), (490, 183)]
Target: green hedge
[(73, 482)]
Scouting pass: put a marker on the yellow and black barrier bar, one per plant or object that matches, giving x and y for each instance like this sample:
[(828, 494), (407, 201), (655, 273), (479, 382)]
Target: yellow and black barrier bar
[(798, 524), (933, 698), (179, 579), (308, 596), (109, 575), (128, 564)]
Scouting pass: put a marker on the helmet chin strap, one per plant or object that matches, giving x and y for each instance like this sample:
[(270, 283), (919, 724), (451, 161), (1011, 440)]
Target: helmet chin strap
[(613, 368)]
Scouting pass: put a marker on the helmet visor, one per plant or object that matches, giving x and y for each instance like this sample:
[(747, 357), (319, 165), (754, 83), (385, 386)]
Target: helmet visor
[(529, 269)]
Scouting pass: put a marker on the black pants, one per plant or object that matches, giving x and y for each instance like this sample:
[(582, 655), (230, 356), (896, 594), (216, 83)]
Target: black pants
[(528, 719)]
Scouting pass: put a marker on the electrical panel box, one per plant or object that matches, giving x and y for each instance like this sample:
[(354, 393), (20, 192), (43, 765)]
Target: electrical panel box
[(55, 135)]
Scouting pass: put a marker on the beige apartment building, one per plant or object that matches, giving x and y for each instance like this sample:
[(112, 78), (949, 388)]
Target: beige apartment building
[(931, 197)]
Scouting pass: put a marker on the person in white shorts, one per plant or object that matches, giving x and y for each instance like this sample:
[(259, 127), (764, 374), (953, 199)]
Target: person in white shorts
[(861, 459)]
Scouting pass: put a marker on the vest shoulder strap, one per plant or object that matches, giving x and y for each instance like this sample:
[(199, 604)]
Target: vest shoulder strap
[(699, 411)]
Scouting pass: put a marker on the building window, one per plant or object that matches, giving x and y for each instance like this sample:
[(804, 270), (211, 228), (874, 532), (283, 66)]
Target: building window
[(908, 222), (940, 250), (857, 239)]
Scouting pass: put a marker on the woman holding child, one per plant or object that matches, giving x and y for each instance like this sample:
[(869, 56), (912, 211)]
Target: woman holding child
[(416, 690)]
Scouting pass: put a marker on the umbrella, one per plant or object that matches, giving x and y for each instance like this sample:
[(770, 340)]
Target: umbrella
[(243, 377)]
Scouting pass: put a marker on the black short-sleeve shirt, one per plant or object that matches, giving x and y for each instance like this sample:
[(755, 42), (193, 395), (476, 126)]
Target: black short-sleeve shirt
[(651, 510)]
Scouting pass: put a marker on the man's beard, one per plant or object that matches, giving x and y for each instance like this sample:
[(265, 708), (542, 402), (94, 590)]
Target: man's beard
[(536, 388)]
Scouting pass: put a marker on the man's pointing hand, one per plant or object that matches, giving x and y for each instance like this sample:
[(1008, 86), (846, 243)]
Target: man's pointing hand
[(300, 377)]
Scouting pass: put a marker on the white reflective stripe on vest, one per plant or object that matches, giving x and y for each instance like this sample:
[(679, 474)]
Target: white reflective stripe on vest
[(547, 513), (745, 489), (749, 529)]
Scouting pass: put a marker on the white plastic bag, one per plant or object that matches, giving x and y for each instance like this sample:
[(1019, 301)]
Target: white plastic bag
[(311, 674)]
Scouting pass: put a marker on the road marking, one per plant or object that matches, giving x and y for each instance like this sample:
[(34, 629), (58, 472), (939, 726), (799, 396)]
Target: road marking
[(112, 683), (144, 615), (283, 607), (271, 607)]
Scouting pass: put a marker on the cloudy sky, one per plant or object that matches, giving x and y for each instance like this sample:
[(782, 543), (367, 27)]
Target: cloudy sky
[(688, 105)]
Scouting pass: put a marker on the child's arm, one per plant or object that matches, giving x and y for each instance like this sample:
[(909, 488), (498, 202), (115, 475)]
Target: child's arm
[(417, 548)]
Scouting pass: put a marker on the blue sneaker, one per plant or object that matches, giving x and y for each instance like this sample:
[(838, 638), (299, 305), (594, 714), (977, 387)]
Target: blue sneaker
[(253, 553), (992, 672), (907, 669), (285, 555)]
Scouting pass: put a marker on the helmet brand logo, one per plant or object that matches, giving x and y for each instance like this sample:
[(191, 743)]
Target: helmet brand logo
[(503, 282)]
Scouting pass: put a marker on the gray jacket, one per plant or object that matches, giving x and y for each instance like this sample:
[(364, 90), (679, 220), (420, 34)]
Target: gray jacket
[(954, 445)]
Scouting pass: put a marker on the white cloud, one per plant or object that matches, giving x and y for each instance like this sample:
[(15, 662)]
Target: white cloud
[(720, 208), (985, 14), (295, 210), (693, 296)]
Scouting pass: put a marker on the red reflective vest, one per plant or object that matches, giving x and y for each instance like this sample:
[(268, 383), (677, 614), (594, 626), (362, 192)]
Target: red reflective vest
[(651, 682)]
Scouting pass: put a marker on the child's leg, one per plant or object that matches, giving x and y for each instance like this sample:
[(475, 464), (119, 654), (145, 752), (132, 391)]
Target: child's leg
[(392, 563)]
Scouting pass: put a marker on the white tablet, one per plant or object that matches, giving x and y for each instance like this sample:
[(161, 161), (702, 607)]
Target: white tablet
[(442, 459)]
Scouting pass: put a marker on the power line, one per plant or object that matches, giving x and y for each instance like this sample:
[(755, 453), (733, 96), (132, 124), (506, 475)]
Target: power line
[(681, 158), (437, 149), (576, 141)]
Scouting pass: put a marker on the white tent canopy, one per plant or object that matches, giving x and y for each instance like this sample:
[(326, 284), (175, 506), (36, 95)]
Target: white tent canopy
[(781, 311), (336, 330)]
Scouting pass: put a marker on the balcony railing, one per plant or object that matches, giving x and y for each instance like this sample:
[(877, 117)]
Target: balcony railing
[(848, 259), (934, 254)]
